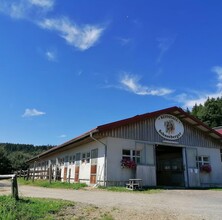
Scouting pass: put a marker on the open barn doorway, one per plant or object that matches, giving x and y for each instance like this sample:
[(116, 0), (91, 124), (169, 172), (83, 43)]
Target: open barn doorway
[(169, 166)]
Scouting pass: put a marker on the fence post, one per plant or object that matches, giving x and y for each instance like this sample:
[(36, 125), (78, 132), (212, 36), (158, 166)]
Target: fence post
[(69, 175), (33, 174), (50, 173), (15, 187), (55, 174), (27, 177)]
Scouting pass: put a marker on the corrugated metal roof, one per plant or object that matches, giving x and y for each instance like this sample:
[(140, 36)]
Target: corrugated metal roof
[(218, 129)]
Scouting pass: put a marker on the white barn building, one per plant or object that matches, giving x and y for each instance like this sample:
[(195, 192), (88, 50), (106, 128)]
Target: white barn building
[(163, 148)]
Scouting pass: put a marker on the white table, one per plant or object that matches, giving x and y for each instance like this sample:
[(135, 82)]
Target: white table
[(134, 184)]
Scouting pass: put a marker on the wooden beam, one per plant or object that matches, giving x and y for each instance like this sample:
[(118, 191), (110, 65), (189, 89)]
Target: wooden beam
[(14, 187)]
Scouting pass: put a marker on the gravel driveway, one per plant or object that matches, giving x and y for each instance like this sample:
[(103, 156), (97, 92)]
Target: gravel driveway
[(167, 204)]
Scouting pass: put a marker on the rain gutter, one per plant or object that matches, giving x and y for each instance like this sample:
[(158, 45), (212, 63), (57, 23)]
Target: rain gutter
[(105, 157)]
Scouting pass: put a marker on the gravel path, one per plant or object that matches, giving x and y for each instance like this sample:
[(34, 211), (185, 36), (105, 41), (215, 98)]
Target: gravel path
[(167, 204)]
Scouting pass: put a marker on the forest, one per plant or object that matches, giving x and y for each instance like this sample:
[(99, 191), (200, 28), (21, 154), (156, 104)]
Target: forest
[(14, 156)]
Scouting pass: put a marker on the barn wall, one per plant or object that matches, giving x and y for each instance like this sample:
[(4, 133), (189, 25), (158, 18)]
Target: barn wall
[(215, 177), (114, 156), (146, 170), (116, 173), (141, 136), (145, 131), (64, 161)]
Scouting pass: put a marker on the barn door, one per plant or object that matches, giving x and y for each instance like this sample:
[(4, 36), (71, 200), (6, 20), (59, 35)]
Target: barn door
[(65, 174), (93, 174), (93, 169), (192, 169), (77, 164), (76, 173)]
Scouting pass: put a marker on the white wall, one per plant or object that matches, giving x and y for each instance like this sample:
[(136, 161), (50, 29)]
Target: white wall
[(84, 171), (215, 177), (114, 156)]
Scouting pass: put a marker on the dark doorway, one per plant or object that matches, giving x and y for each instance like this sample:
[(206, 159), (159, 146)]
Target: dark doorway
[(169, 166)]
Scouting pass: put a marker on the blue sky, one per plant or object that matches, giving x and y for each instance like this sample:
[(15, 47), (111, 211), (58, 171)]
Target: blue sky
[(68, 66)]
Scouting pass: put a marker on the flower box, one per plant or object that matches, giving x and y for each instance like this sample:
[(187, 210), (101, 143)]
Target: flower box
[(206, 168), (128, 164)]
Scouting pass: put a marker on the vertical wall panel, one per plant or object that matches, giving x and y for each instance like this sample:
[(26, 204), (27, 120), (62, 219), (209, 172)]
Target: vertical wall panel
[(145, 131)]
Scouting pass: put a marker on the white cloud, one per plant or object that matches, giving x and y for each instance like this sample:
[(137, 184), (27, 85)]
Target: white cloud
[(80, 37), (189, 100), (32, 112), (50, 55), (218, 71), (13, 9), (131, 84), (164, 44), (47, 4), (25, 9), (62, 136), (124, 41)]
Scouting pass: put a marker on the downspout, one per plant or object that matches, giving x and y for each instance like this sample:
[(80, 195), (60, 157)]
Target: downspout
[(105, 157), (187, 170)]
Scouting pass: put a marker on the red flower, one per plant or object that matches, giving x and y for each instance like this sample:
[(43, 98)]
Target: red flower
[(128, 164), (206, 168)]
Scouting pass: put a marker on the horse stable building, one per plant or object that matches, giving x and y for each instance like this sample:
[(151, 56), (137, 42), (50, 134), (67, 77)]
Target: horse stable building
[(168, 147)]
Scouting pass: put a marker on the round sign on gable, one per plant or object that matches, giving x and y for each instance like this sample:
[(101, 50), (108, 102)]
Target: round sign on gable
[(169, 127)]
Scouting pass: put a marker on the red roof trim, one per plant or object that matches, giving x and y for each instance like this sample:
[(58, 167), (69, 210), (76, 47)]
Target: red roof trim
[(136, 118)]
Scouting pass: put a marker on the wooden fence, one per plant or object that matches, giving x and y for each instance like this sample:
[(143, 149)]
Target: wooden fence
[(33, 174), (13, 177)]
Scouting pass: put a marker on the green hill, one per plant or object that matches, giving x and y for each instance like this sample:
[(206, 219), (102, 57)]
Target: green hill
[(14, 156)]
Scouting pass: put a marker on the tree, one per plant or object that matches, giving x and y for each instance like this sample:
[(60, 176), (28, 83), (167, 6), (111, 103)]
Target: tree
[(13, 157), (18, 160), (5, 165), (210, 113)]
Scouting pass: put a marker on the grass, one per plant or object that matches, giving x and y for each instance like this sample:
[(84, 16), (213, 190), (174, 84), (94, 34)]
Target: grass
[(216, 189), (57, 184), (76, 186), (30, 208), (49, 209), (107, 216)]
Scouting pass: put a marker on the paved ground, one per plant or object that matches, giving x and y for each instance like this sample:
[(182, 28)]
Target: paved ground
[(168, 204)]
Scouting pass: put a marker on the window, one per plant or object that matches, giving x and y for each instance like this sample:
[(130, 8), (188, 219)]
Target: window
[(203, 160), (94, 153), (78, 155), (136, 156), (126, 155), (87, 157), (133, 155), (73, 158), (70, 159), (83, 157), (94, 156)]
